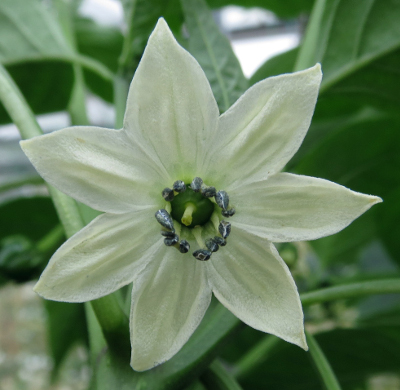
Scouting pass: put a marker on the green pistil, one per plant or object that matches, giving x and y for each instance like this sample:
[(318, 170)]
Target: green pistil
[(191, 208)]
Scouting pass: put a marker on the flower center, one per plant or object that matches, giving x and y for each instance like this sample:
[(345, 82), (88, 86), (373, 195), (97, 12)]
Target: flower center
[(189, 208)]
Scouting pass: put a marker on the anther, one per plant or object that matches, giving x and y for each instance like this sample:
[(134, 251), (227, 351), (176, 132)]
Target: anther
[(187, 215), (224, 228), (164, 219), (211, 245), (202, 254), (207, 191), (220, 241), (168, 234), (179, 186), (196, 184), (184, 246), (222, 199), (171, 241), (228, 213), (167, 194)]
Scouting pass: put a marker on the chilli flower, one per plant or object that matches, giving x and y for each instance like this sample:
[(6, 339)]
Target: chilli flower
[(208, 182)]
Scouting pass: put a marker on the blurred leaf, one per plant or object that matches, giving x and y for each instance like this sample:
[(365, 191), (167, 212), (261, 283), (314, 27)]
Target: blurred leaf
[(104, 44), (29, 31), (285, 9), (66, 325), (282, 63), (20, 261), (30, 217), (357, 44), (214, 53), (354, 354), (45, 85)]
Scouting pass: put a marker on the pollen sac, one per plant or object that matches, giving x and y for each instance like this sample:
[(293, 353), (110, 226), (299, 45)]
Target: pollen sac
[(184, 246), (167, 194), (168, 234), (220, 241), (196, 184), (222, 199), (224, 228), (164, 219), (208, 192), (202, 254), (212, 245), (228, 213), (179, 186), (171, 241)]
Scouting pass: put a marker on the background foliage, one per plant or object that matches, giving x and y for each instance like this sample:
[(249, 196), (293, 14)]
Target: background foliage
[(54, 56)]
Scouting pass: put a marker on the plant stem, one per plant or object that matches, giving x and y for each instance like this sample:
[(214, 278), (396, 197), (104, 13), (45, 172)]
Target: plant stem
[(121, 88), (321, 363), (216, 377), (353, 290), (256, 356), (51, 240)]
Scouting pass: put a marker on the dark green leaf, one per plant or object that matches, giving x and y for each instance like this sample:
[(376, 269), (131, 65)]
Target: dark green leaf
[(214, 53), (354, 354), (282, 63), (66, 326), (287, 8)]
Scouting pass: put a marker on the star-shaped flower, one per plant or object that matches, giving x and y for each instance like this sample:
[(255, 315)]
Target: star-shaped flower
[(172, 134)]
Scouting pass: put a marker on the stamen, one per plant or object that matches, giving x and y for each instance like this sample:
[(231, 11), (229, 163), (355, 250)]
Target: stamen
[(196, 184), (167, 234), (164, 219), (184, 246), (197, 235), (208, 192), (222, 199), (202, 254), (220, 241), (167, 194), (228, 213), (168, 207), (187, 215), (179, 186), (224, 228), (211, 245), (171, 241)]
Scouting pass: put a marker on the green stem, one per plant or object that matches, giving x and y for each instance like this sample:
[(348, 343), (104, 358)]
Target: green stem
[(256, 356), (121, 88), (321, 363), (216, 377), (51, 240), (353, 290)]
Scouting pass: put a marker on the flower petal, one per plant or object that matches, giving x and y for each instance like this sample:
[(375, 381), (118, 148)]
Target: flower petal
[(169, 299), (261, 132), (102, 257), (289, 207), (99, 167), (253, 282), (171, 110)]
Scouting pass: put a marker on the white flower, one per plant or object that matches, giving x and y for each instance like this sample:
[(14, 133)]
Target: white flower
[(173, 131)]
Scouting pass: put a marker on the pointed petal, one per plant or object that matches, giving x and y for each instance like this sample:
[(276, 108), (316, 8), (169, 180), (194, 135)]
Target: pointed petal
[(289, 207), (261, 132), (169, 299), (171, 110), (99, 167), (249, 277), (102, 257)]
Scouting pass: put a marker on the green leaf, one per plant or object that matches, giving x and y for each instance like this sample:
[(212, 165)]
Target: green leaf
[(346, 36), (103, 44), (354, 354), (214, 53), (282, 63), (285, 9), (46, 86), (66, 326)]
